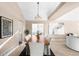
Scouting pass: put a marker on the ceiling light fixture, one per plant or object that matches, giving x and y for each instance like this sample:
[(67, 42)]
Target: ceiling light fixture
[(38, 17)]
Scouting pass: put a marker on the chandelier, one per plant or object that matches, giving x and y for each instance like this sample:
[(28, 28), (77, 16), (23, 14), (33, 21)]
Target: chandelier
[(38, 17)]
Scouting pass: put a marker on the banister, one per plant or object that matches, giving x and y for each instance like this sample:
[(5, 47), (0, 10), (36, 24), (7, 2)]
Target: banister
[(10, 43)]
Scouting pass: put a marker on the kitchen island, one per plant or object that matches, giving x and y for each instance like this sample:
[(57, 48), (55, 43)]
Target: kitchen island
[(59, 48)]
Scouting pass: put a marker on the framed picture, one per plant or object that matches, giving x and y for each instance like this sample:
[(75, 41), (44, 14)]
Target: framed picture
[(6, 27)]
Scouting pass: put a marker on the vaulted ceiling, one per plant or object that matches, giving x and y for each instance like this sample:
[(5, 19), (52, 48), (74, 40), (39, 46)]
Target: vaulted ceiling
[(29, 9)]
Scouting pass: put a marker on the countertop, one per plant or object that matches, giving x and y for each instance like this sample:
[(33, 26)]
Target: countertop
[(60, 49)]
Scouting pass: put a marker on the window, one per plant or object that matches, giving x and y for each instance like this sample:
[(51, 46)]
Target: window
[(37, 27)]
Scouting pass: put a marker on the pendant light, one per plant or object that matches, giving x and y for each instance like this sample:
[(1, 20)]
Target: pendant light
[(38, 17)]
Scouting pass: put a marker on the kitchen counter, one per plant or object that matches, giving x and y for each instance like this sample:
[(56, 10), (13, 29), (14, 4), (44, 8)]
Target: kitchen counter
[(59, 48)]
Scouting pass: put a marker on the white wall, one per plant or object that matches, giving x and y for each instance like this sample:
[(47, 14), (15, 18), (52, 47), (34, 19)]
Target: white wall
[(71, 21), (12, 11), (28, 26), (46, 28), (71, 27)]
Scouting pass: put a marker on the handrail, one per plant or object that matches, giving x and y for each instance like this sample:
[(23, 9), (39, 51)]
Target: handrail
[(10, 43), (16, 51), (7, 40)]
